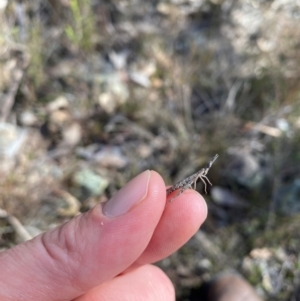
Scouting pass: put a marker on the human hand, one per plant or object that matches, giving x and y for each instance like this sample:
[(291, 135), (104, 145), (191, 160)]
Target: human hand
[(105, 254)]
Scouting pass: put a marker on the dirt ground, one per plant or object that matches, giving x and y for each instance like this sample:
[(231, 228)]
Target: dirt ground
[(94, 92)]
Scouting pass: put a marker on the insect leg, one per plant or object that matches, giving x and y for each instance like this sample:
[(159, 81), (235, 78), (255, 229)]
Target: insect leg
[(207, 180), (201, 178)]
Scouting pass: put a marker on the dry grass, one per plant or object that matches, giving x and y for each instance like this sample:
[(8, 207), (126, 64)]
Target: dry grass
[(169, 84)]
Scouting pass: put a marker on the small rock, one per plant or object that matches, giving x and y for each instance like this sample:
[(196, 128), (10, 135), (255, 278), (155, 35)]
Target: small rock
[(11, 139), (114, 85), (245, 169), (28, 118), (119, 60), (107, 156), (3, 4), (93, 182), (263, 253), (140, 79), (144, 150), (107, 102), (204, 264), (58, 103), (225, 197), (72, 134), (283, 125), (111, 157)]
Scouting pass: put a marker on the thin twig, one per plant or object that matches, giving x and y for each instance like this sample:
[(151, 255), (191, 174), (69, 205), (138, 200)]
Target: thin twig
[(9, 99), (16, 225)]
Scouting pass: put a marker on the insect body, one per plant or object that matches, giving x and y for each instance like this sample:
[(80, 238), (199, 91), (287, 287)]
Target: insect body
[(187, 182)]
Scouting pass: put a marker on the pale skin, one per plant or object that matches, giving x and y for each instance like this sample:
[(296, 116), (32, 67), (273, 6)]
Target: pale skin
[(96, 257)]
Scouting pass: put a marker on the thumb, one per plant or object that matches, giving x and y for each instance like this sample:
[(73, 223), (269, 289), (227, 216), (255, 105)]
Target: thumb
[(90, 249)]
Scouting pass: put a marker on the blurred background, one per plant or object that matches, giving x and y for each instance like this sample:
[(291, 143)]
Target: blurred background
[(94, 92)]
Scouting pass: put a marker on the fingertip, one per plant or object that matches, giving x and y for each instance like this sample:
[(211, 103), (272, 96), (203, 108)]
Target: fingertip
[(199, 200), (167, 290), (147, 283), (189, 206), (181, 219), (157, 185)]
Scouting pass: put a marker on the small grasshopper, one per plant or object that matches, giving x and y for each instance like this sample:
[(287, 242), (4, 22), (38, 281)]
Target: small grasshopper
[(187, 182)]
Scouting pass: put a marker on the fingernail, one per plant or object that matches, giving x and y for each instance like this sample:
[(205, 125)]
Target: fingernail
[(129, 196)]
